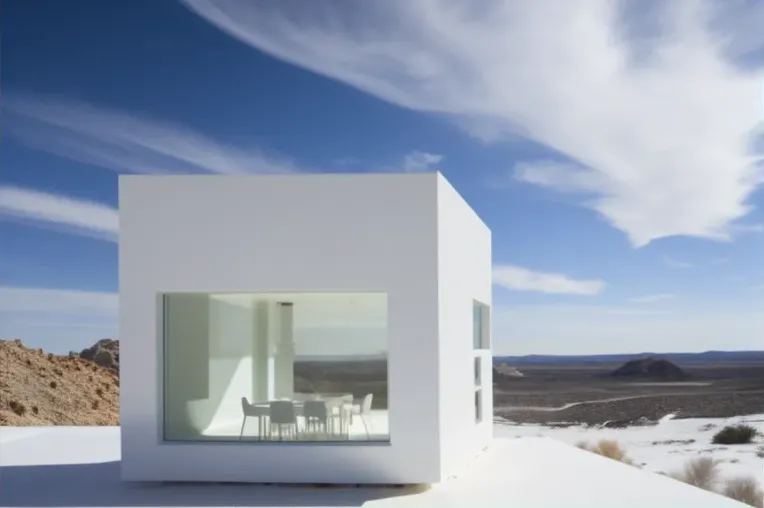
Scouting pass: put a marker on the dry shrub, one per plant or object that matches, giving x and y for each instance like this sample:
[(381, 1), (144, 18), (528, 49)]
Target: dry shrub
[(746, 490), (702, 472), (608, 448), (735, 434), (53, 384), (95, 404), (35, 409), (17, 407), (99, 391)]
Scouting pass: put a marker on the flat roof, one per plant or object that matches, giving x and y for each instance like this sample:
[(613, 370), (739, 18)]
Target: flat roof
[(79, 466)]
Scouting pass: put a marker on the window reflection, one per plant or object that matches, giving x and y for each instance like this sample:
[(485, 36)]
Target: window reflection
[(302, 367)]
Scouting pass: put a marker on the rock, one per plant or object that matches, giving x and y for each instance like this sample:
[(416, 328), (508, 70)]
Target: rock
[(105, 353)]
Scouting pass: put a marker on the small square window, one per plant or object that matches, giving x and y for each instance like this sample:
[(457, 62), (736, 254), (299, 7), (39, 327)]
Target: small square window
[(481, 326), (478, 406)]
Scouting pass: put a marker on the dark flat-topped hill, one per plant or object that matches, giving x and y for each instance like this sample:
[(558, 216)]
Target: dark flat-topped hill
[(653, 369)]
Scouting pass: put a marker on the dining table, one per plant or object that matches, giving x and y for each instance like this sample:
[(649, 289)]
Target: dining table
[(339, 406)]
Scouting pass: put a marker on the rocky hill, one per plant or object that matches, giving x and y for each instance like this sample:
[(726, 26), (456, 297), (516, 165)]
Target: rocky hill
[(38, 388), (649, 369)]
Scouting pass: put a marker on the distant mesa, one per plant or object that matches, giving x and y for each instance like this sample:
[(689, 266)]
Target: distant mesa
[(650, 368)]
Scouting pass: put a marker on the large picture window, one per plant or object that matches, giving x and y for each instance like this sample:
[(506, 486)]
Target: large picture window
[(286, 367)]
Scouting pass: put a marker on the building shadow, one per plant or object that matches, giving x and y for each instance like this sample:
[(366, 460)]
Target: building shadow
[(90, 485)]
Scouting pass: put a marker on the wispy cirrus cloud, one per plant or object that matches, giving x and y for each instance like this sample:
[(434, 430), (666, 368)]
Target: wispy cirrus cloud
[(653, 298), (43, 209), (650, 107), (126, 142), (58, 301), (523, 279)]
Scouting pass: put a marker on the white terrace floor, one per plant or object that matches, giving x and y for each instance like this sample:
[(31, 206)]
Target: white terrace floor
[(67, 466)]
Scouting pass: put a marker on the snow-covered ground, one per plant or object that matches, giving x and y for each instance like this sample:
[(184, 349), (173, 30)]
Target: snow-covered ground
[(80, 466), (664, 447)]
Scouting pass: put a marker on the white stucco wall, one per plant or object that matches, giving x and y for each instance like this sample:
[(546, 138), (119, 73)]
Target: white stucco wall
[(464, 275), (287, 233)]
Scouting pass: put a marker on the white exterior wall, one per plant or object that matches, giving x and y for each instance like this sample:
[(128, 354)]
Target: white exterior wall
[(282, 233), (464, 275)]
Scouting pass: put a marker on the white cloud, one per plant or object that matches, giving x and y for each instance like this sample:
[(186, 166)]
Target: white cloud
[(127, 143), (523, 279), (51, 210), (653, 111), (653, 298), (420, 161)]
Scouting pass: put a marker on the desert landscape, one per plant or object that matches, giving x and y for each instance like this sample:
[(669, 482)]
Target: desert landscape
[(660, 413), (82, 388), (615, 394)]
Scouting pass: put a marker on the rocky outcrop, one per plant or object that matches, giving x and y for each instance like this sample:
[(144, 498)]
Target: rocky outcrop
[(105, 353), (506, 370)]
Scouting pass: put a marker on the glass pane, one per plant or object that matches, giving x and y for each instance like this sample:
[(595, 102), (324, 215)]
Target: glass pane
[(291, 367), (478, 406), (480, 326), (477, 324)]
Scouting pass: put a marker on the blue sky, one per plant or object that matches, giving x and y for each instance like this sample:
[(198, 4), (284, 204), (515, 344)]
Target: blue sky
[(615, 153)]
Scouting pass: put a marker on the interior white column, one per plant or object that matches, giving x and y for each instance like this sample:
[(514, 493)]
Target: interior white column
[(284, 357), (272, 326), (261, 354)]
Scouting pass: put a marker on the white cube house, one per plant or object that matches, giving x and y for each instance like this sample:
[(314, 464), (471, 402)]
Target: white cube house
[(321, 328)]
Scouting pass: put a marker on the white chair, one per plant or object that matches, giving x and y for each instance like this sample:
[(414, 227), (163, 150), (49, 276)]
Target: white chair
[(363, 410), (259, 412), (316, 414), (284, 417)]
